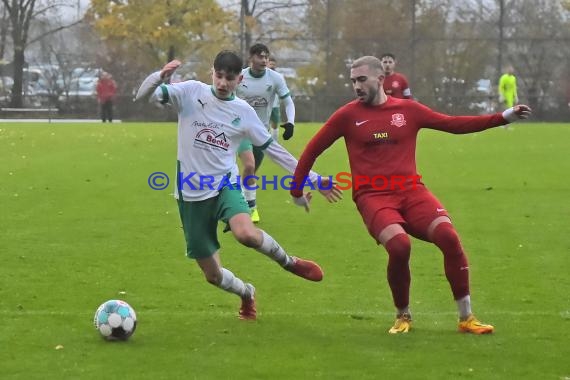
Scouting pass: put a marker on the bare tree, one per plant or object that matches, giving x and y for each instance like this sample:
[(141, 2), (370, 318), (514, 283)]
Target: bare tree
[(21, 14), (264, 20), (3, 30)]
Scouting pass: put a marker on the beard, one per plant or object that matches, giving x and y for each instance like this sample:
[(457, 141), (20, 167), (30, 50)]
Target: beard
[(369, 97)]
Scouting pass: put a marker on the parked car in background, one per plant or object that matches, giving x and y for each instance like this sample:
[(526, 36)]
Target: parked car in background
[(80, 83), (482, 97)]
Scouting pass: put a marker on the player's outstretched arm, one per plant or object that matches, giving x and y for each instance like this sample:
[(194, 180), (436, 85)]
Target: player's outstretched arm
[(283, 158), (518, 112), (328, 189), (155, 79)]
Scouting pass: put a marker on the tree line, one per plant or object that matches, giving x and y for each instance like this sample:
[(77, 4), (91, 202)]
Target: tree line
[(443, 46)]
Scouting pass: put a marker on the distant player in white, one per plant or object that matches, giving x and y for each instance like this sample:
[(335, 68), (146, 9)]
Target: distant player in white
[(211, 124), (260, 87)]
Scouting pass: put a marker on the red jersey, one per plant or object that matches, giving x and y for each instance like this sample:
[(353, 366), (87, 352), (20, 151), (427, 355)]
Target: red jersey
[(381, 140), (106, 89), (396, 85)]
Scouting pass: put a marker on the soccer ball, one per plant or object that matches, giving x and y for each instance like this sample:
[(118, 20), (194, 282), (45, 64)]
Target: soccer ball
[(115, 320)]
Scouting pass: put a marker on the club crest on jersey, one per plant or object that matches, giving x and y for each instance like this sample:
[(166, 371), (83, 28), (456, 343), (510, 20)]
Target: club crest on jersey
[(208, 137), (395, 84), (398, 120)]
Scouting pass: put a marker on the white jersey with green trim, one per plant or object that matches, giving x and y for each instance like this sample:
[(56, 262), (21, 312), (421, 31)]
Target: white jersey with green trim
[(260, 92), (209, 133)]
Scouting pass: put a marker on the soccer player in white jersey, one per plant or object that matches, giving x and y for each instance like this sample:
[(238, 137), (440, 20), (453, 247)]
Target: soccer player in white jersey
[(211, 124), (259, 88)]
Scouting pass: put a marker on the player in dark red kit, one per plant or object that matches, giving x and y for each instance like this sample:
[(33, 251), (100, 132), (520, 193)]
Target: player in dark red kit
[(380, 136), (395, 84)]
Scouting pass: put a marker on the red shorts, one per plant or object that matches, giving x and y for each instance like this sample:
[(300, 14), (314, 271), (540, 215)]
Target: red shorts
[(413, 209)]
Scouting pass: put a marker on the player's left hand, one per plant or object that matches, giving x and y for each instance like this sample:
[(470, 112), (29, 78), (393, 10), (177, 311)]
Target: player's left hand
[(518, 112), (303, 201), (289, 127), (330, 191)]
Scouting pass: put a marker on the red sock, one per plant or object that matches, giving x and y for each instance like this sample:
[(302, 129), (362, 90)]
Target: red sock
[(454, 259), (399, 278)]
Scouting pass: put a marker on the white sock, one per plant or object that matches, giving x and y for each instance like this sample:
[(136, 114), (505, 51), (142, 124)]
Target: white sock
[(464, 307), (232, 284), (274, 134), (250, 195), (270, 248)]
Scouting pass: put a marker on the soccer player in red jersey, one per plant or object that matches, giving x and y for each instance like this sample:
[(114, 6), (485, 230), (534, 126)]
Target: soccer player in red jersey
[(395, 84), (380, 136)]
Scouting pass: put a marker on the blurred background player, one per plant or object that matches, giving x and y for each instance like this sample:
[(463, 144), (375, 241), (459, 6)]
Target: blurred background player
[(259, 87), (275, 117), (508, 96), (395, 84), (106, 91)]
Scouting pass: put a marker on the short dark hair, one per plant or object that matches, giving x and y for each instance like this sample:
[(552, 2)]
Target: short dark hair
[(228, 61), (388, 55), (258, 49)]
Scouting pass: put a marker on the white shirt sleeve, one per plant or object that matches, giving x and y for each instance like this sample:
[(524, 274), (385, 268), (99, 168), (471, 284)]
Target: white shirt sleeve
[(148, 86), (283, 158), (289, 109), (173, 94)]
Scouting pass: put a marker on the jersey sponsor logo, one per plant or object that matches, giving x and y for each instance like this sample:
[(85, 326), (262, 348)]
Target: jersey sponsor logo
[(210, 125), (256, 101), (380, 135), (236, 121), (398, 120), (440, 209), (269, 87), (201, 103), (208, 137), (359, 123)]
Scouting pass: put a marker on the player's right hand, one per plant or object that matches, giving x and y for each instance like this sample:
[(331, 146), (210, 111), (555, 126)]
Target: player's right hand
[(518, 112), (303, 201), (169, 69)]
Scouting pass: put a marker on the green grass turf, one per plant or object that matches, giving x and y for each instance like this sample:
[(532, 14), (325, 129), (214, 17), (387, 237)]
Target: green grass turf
[(79, 225)]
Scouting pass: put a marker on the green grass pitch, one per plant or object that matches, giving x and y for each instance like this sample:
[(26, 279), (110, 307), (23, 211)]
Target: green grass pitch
[(79, 225)]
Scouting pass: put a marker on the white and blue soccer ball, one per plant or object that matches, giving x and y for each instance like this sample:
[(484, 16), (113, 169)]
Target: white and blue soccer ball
[(115, 320)]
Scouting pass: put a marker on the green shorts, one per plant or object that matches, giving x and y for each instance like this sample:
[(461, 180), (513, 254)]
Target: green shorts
[(246, 145), (200, 220), (275, 115)]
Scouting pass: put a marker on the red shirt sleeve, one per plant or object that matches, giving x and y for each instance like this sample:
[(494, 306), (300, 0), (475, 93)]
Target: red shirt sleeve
[(405, 86), (325, 137), (427, 118)]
